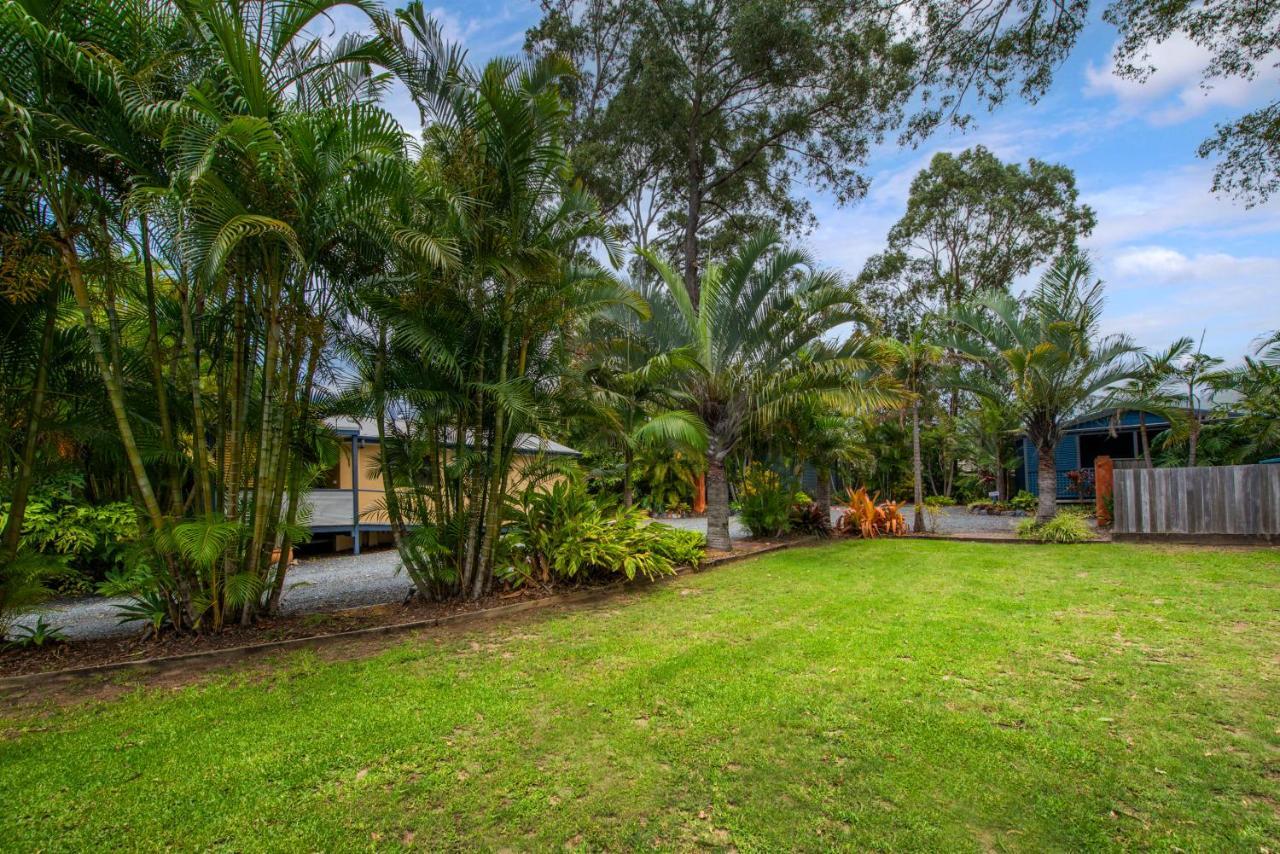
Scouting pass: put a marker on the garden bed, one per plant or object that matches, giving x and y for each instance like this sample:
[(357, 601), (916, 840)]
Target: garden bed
[(108, 652)]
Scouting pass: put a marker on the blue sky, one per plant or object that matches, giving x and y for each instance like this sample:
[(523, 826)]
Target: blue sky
[(1176, 259)]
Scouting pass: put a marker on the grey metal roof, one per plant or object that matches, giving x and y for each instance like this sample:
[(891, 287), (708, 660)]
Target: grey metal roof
[(367, 429)]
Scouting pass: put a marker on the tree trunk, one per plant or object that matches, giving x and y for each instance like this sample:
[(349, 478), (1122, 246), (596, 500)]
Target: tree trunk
[(1002, 475), (822, 495), (917, 478), (1193, 439), (1047, 483), (693, 209), (26, 469), (627, 462), (1146, 442), (115, 393), (717, 506)]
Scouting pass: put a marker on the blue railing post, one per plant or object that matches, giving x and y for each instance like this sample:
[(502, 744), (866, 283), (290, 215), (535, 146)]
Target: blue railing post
[(355, 493)]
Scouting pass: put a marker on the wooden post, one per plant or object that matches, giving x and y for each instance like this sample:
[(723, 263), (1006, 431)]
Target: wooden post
[(1103, 482)]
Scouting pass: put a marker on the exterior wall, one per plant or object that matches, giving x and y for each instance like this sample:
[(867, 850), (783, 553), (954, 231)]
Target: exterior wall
[(1066, 458), (334, 508)]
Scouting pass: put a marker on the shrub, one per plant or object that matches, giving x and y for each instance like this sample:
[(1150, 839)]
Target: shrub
[(41, 634), (1024, 501), (933, 506), (93, 539), (1066, 527), (808, 518), (24, 583), (765, 502), (864, 518), (563, 531)]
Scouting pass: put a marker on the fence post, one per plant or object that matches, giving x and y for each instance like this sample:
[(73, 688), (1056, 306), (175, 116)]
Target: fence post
[(1103, 481)]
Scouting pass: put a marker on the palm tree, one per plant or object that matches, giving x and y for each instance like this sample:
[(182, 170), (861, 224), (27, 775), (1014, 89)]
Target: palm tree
[(1193, 372), (758, 333), (631, 399), (827, 440), (464, 339), (1049, 347), (1151, 385), (915, 358)]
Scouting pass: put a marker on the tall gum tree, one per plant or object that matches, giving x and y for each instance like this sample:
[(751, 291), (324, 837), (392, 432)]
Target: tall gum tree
[(697, 121)]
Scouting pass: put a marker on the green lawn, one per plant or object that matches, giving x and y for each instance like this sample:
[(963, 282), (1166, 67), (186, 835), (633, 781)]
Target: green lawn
[(880, 694)]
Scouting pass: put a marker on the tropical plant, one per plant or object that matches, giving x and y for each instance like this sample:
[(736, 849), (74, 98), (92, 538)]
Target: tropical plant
[(809, 517), (863, 517), (565, 533), (1065, 527), (1194, 373), (24, 584), (765, 501), (38, 634), (194, 168), (757, 332), (1151, 384), (914, 359), (1047, 358), (459, 354), (1024, 501)]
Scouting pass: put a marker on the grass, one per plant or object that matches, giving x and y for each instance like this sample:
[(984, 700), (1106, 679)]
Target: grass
[(865, 695)]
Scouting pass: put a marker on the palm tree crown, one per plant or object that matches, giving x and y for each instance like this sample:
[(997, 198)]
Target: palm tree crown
[(1049, 347)]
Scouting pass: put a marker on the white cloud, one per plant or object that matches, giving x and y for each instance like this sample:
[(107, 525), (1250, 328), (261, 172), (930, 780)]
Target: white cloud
[(1175, 91), (1162, 264), (1173, 201)]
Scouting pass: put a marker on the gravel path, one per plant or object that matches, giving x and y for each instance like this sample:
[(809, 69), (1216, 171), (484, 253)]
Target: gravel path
[(958, 520), (349, 581)]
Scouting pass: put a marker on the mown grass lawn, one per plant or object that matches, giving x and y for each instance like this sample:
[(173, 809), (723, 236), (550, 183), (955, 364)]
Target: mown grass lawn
[(882, 694)]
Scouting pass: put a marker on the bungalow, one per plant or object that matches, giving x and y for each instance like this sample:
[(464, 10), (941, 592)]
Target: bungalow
[(348, 507), (1113, 434)]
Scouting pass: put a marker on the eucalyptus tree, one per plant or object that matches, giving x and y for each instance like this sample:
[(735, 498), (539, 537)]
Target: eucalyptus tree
[(758, 332), (698, 121), (975, 223), (1047, 357)]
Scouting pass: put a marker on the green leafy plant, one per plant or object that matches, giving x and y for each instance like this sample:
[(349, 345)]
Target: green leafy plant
[(91, 539), (809, 517), (562, 531), (1024, 501), (765, 502), (24, 583), (39, 635), (933, 506), (1066, 527)]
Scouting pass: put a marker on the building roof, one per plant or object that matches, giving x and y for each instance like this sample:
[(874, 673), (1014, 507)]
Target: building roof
[(366, 429)]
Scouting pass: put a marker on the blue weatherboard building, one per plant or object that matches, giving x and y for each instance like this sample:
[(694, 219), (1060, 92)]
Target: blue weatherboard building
[(1083, 441)]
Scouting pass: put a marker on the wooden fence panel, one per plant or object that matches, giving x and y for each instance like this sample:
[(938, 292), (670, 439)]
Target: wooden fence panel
[(1209, 502)]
